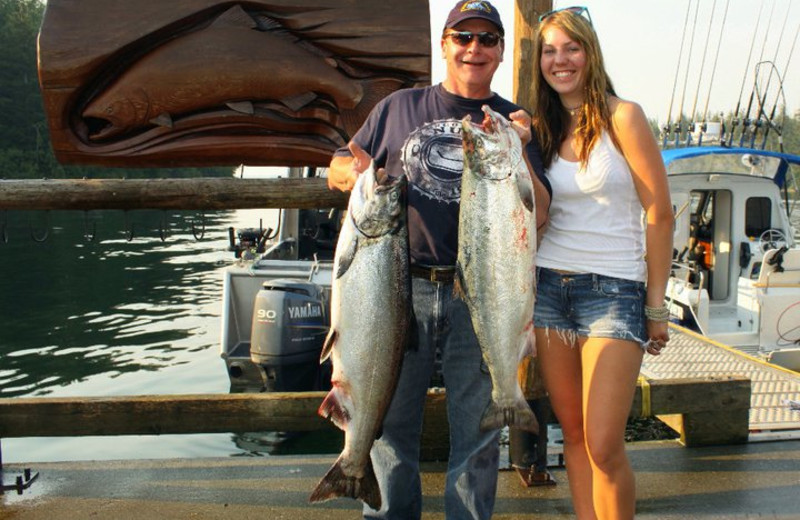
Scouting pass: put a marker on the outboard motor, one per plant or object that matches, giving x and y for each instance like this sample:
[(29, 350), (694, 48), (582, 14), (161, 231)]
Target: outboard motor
[(290, 323)]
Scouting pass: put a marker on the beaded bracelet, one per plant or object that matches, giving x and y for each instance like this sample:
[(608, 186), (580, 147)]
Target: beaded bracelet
[(659, 314)]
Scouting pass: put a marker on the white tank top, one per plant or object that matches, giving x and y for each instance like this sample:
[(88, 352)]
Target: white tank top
[(596, 218)]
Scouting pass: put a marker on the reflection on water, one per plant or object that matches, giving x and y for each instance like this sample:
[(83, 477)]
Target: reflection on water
[(71, 310), (114, 317)]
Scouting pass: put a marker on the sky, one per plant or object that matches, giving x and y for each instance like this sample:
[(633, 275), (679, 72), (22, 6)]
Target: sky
[(641, 42)]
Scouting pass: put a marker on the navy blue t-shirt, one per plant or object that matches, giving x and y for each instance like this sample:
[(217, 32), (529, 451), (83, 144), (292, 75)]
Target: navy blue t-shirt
[(417, 132)]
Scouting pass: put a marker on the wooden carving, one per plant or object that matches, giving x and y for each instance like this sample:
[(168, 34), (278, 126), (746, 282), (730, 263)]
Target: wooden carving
[(204, 82)]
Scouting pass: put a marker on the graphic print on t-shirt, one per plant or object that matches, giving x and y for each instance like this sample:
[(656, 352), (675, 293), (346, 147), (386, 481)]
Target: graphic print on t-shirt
[(434, 159)]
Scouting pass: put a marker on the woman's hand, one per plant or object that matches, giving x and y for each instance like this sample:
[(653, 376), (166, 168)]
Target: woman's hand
[(658, 332)]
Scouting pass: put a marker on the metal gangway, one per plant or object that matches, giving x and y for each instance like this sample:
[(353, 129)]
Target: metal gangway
[(773, 388)]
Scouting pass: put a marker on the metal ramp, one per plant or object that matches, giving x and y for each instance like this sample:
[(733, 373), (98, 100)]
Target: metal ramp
[(689, 355)]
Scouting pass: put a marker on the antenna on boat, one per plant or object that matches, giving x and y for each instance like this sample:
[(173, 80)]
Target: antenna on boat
[(668, 128), (735, 115)]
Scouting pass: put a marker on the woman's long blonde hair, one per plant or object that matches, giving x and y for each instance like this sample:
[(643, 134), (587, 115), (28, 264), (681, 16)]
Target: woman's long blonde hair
[(551, 120)]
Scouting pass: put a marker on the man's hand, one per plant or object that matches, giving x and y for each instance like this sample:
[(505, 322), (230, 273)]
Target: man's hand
[(344, 171)]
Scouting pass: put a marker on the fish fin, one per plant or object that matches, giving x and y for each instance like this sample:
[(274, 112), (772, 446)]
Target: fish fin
[(460, 284), (529, 350), (374, 91), (327, 347), (332, 409), (519, 416), (412, 336), (162, 119), (346, 257), (235, 16), (525, 188), (268, 24), (336, 484), (297, 102), (245, 107)]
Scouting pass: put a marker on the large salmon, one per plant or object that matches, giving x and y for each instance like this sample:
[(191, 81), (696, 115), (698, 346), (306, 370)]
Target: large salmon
[(496, 260), (370, 320)]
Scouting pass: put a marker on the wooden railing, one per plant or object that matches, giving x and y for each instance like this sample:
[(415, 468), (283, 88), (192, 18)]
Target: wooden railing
[(703, 411)]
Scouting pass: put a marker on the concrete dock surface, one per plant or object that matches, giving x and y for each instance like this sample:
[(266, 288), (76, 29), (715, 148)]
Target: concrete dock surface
[(754, 480)]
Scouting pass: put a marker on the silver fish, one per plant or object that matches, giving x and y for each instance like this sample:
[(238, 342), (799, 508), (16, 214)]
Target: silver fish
[(496, 260), (370, 320)]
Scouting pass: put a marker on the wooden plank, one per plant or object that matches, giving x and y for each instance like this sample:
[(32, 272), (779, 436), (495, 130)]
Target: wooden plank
[(195, 194), (160, 414), (713, 412), (673, 396)]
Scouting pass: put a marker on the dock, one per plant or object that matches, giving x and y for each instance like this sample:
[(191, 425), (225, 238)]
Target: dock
[(753, 480), (689, 355), (754, 475)]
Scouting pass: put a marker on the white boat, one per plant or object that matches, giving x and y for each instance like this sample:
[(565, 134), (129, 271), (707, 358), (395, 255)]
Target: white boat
[(275, 312), (736, 268)]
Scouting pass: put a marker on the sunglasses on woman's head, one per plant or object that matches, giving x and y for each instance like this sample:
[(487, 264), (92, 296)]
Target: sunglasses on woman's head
[(464, 38), (577, 10)]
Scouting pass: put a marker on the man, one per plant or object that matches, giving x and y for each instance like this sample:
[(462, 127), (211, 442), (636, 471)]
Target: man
[(417, 133)]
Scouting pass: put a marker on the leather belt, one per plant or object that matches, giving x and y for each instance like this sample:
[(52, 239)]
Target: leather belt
[(437, 274)]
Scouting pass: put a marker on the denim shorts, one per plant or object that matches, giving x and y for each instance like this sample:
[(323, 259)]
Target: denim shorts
[(590, 305)]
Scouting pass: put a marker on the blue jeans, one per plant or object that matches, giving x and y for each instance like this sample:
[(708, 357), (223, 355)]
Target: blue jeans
[(471, 483)]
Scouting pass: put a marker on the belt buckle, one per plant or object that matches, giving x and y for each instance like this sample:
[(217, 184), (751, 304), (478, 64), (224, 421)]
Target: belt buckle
[(441, 274)]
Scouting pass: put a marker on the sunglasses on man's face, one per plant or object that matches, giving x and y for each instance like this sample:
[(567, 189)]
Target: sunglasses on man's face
[(464, 38), (577, 10)]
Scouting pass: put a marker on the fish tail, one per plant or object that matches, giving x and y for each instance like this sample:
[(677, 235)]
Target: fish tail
[(519, 416), (374, 91), (336, 484)]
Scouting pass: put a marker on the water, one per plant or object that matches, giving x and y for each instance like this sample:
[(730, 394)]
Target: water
[(118, 317), (115, 317)]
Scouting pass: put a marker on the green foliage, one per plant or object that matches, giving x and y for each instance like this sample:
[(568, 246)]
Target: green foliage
[(25, 151)]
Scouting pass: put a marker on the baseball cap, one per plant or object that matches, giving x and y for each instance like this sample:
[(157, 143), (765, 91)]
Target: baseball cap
[(464, 10)]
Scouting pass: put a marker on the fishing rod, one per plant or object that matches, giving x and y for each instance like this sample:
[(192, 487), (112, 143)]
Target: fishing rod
[(735, 114), (668, 128), (763, 99), (780, 93), (679, 128), (713, 72), (770, 122), (693, 113), (746, 121)]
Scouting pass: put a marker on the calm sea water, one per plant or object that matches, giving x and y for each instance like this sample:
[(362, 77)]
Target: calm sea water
[(114, 316), (118, 317)]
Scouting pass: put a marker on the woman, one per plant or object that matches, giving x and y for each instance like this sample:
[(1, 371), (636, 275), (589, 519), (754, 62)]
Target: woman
[(600, 302)]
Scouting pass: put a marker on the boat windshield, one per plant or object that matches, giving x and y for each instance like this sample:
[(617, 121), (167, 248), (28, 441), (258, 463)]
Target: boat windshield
[(732, 163)]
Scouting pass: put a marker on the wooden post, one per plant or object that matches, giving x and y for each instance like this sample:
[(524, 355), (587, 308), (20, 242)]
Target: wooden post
[(525, 20)]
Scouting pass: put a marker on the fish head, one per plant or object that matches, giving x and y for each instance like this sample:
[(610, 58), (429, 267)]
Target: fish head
[(378, 202), (490, 146), (113, 113)]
